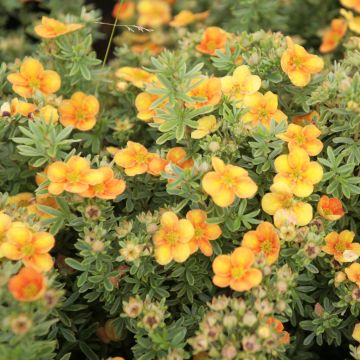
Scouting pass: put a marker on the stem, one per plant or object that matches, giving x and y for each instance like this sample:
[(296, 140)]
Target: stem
[(111, 38)]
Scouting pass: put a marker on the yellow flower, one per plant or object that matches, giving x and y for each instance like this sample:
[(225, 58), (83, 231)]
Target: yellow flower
[(299, 65), (298, 172), (138, 77), (32, 77), (303, 137), (281, 198), (235, 270), (5, 224), (351, 4), (337, 244), (49, 114), (143, 104), (172, 240), (227, 182), (262, 109), (153, 13), (206, 125), (353, 273), (353, 21), (186, 17), (51, 28), (241, 83), (356, 332)]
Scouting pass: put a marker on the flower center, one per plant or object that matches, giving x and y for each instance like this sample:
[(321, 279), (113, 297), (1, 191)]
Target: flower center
[(73, 177), (340, 247), (172, 237), (28, 249), (237, 272), (34, 83), (266, 247), (30, 290)]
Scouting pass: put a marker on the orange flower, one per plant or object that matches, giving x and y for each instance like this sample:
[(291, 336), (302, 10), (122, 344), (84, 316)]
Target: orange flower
[(74, 176), (51, 28), (22, 108), (262, 109), (153, 13), (303, 137), (138, 77), (263, 240), (333, 35), (299, 65), (210, 89), (235, 270), (27, 285), (227, 182), (337, 244), (124, 11), (186, 17), (351, 4), (330, 208), (32, 248), (298, 172), (156, 165), (353, 273), (46, 200), (32, 77), (172, 240), (152, 48), (279, 328), (214, 38), (79, 111), (204, 232), (109, 189), (179, 157), (134, 159), (306, 119)]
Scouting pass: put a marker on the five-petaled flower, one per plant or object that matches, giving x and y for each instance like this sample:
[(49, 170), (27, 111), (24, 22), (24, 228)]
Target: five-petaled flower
[(351, 4), (333, 35), (30, 247), (353, 273), (281, 198), (264, 240), (262, 108), (235, 270), (304, 137), (337, 244), (124, 10), (79, 111), (108, 189), (186, 17), (214, 38), (206, 125), (27, 285), (299, 65), (172, 240), (227, 182), (240, 84), (5, 224), (330, 208), (32, 77), (203, 232), (51, 28), (298, 172), (153, 13), (74, 176), (209, 89), (135, 159), (138, 77)]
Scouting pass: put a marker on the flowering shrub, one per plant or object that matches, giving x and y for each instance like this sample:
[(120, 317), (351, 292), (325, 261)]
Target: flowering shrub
[(196, 196)]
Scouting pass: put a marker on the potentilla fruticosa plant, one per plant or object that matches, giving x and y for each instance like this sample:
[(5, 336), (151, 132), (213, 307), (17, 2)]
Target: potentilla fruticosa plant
[(196, 196)]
